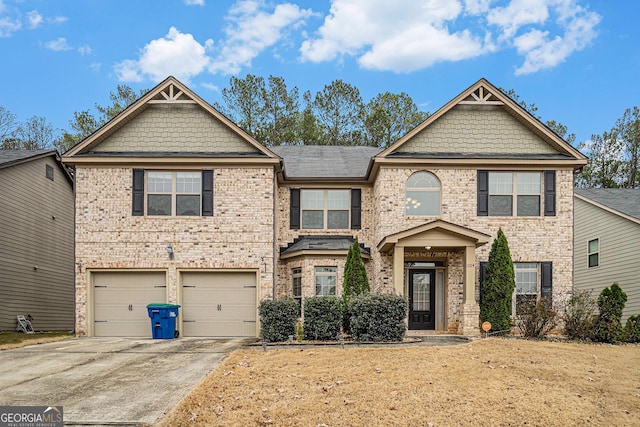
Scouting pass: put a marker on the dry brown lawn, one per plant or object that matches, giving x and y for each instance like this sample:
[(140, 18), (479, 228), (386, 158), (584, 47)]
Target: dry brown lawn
[(492, 382)]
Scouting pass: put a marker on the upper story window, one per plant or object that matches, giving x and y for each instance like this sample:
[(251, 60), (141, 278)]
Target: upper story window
[(514, 193), (172, 193), (325, 209), (594, 252), (423, 195)]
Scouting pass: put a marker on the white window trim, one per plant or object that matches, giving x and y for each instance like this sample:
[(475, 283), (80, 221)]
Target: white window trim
[(514, 194), (174, 192), (425, 190), (325, 274), (538, 285), (325, 209), (597, 239)]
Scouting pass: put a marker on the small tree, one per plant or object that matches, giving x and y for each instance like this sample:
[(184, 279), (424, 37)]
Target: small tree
[(498, 286), (355, 280), (611, 303)]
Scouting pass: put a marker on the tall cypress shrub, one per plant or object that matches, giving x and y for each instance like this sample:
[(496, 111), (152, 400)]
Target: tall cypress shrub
[(498, 286), (355, 280)]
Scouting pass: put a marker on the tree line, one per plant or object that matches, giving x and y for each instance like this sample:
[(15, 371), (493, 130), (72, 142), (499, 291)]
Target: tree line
[(275, 114)]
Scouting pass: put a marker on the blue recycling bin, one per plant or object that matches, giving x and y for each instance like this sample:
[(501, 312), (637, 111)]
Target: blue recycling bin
[(163, 320)]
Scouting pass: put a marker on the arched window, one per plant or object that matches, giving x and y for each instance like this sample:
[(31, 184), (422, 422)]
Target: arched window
[(423, 195)]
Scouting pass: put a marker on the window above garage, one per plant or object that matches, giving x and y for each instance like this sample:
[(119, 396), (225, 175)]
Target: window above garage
[(172, 193)]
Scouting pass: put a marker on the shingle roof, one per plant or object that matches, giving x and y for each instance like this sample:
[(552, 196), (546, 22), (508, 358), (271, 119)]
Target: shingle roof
[(9, 157), (325, 161), (623, 200), (321, 243)]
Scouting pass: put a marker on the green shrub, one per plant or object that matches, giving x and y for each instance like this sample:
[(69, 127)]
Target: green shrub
[(537, 319), (498, 286), (322, 318), (377, 317), (632, 329), (608, 327), (278, 319), (579, 314)]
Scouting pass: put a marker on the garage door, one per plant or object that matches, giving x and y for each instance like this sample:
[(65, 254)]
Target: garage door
[(219, 304), (120, 302)]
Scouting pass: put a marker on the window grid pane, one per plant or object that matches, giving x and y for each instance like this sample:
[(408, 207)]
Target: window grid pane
[(501, 183), (422, 195), (593, 246), (528, 182), (338, 199), (312, 199), (188, 182), (159, 182)]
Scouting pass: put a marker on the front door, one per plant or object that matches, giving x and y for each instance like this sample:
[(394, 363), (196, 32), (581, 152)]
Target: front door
[(422, 299)]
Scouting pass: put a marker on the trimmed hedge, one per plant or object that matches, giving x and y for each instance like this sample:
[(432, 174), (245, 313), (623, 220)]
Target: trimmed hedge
[(377, 317), (322, 318), (278, 319)]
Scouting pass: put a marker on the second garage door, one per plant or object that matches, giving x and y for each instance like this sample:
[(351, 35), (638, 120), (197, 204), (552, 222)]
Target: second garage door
[(219, 304), (120, 302)]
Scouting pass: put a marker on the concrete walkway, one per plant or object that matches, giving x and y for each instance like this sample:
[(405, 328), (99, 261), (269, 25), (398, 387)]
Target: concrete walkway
[(115, 381)]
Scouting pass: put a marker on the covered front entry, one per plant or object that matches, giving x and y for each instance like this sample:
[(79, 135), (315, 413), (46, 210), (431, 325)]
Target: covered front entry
[(422, 299), (451, 250)]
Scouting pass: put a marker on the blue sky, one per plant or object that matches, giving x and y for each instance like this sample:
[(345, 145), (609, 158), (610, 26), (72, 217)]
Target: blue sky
[(577, 60)]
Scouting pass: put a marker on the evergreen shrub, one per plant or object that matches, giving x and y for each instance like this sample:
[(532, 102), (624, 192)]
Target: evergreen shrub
[(278, 319), (376, 317), (608, 327), (322, 318)]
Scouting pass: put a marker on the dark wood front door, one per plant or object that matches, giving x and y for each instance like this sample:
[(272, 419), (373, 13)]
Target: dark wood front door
[(422, 299)]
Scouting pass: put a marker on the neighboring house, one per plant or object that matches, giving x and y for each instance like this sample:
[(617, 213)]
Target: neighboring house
[(176, 203), (36, 240), (607, 242)]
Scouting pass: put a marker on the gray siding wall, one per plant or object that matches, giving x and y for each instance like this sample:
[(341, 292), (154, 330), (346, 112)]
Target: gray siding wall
[(619, 249), (30, 237)]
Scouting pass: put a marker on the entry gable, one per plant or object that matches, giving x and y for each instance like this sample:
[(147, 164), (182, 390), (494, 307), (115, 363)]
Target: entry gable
[(437, 233), (170, 120), (483, 123)]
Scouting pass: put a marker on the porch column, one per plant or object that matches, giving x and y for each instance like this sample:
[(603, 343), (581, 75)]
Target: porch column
[(398, 269), (470, 275), (470, 309)]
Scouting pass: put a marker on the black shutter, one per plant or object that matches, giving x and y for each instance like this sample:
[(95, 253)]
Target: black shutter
[(546, 282), (137, 206), (207, 192), (549, 193), (356, 209), (294, 209), (483, 269), (483, 193)]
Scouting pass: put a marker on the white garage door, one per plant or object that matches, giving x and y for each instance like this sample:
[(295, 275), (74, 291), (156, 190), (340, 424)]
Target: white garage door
[(219, 304), (120, 302)]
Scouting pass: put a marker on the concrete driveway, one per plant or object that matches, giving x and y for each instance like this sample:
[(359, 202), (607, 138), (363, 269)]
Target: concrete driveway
[(109, 380)]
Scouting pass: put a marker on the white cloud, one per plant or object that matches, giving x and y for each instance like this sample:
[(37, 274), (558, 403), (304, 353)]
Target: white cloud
[(400, 36), (210, 86), (95, 66), (85, 50), (194, 2), (405, 35), (176, 54), (543, 52), (34, 18), (57, 45), (251, 30), (58, 19), (517, 14), (9, 26)]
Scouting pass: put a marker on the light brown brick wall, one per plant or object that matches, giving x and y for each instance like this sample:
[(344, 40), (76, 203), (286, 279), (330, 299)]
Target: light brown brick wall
[(238, 236), (531, 239)]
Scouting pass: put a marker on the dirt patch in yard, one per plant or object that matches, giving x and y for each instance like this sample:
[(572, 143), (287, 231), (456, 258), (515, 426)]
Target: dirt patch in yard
[(498, 382), (9, 340)]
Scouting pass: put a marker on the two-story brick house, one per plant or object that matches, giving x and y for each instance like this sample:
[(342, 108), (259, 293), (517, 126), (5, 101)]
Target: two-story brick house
[(175, 203)]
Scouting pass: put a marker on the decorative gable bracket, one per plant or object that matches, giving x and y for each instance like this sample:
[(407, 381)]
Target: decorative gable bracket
[(171, 95), (481, 96)]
